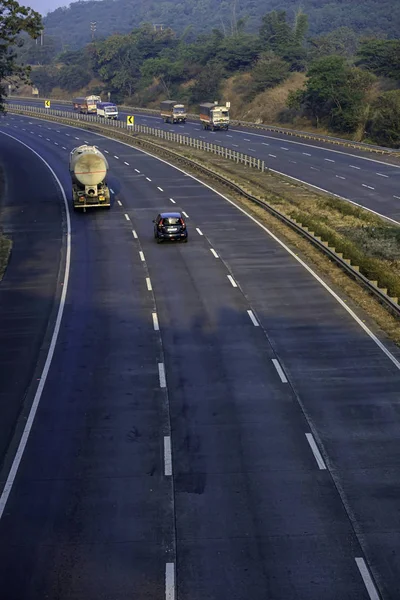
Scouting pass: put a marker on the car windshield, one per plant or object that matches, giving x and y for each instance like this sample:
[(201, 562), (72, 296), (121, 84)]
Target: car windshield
[(172, 221)]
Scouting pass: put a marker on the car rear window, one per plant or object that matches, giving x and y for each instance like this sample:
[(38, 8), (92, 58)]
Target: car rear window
[(172, 221)]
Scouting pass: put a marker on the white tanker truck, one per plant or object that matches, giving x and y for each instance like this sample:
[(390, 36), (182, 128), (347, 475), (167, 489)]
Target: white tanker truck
[(88, 168)]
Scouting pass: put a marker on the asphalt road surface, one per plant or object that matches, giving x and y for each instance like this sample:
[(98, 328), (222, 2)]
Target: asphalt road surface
[(362, 177), (215, 424)]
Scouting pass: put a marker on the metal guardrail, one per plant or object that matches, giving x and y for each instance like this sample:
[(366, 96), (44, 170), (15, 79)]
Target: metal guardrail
[(183, 139), (352, 270), (271, 128)]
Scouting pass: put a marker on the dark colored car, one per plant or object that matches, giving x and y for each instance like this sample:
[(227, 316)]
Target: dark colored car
[(170, 226)]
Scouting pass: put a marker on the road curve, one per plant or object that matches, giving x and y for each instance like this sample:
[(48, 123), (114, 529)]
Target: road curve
[(31, 214), (280, 410), (361, 177)]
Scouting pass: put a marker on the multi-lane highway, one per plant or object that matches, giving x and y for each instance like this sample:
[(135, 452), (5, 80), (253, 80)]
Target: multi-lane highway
[(215, 422), (361, 177)]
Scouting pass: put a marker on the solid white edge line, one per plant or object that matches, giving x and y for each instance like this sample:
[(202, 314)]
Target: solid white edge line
[(170, 581), (127, 217), (279, 369), (365, 574), (342, 303), (167, 456), (214, 253), (141, 256), (199, 231), (315, 451), (253, 319), (148, 283), (233, 282), (161, 375), (134, 234), (316, 187), (155, 322), (32, 413)]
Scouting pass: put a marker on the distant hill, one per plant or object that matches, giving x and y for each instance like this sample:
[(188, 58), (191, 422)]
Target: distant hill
[(72, 26)]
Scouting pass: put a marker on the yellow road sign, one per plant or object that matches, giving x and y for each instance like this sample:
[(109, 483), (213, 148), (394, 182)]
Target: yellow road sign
[(130, 120), (47, 103)]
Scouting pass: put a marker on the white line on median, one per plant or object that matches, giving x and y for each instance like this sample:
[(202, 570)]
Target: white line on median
[(161, 375), (170, 581), (279, 369), (155, 322), (315, 451), (253, 319), (233, 282), (214, 253), (148, 283), (167, 456), (199, 231), (127, 217), (141, 255), (134, 234), (369, 584), (161, 190)]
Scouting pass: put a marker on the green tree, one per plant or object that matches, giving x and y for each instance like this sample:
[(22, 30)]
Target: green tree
[(384, 126), (275, 32), (73, 77), (269, 71), (342, 42), (14, 19), (336, 93), (382, 57), (207, 86)]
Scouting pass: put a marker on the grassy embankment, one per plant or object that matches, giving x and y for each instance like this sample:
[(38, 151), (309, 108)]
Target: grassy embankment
[(5, 243)]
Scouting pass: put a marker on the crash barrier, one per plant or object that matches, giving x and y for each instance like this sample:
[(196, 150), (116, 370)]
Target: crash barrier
[(395, 152), (177, 138), (119, 132)]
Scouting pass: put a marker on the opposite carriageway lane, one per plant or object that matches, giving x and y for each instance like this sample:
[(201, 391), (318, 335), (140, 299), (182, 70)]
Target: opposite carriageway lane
[(239, 436), (358, 176)]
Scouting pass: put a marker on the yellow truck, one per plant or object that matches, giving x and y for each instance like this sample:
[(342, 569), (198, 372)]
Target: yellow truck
[(172, 112)]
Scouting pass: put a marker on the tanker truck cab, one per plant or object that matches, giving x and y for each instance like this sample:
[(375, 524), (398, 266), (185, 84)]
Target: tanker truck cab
[(88, 169)]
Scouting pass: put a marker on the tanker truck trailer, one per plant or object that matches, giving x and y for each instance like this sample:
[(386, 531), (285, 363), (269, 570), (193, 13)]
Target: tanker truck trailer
[(88, 169)]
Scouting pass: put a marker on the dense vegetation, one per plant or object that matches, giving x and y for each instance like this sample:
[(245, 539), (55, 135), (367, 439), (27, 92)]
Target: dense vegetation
[(14, 19), (71, 26), (351, 84)]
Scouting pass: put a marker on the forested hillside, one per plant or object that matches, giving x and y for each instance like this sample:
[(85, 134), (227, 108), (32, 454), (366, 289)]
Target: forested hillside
[(339, 81), (71, 26)]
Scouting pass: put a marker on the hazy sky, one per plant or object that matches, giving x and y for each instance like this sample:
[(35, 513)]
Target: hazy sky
[(44, 6)]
